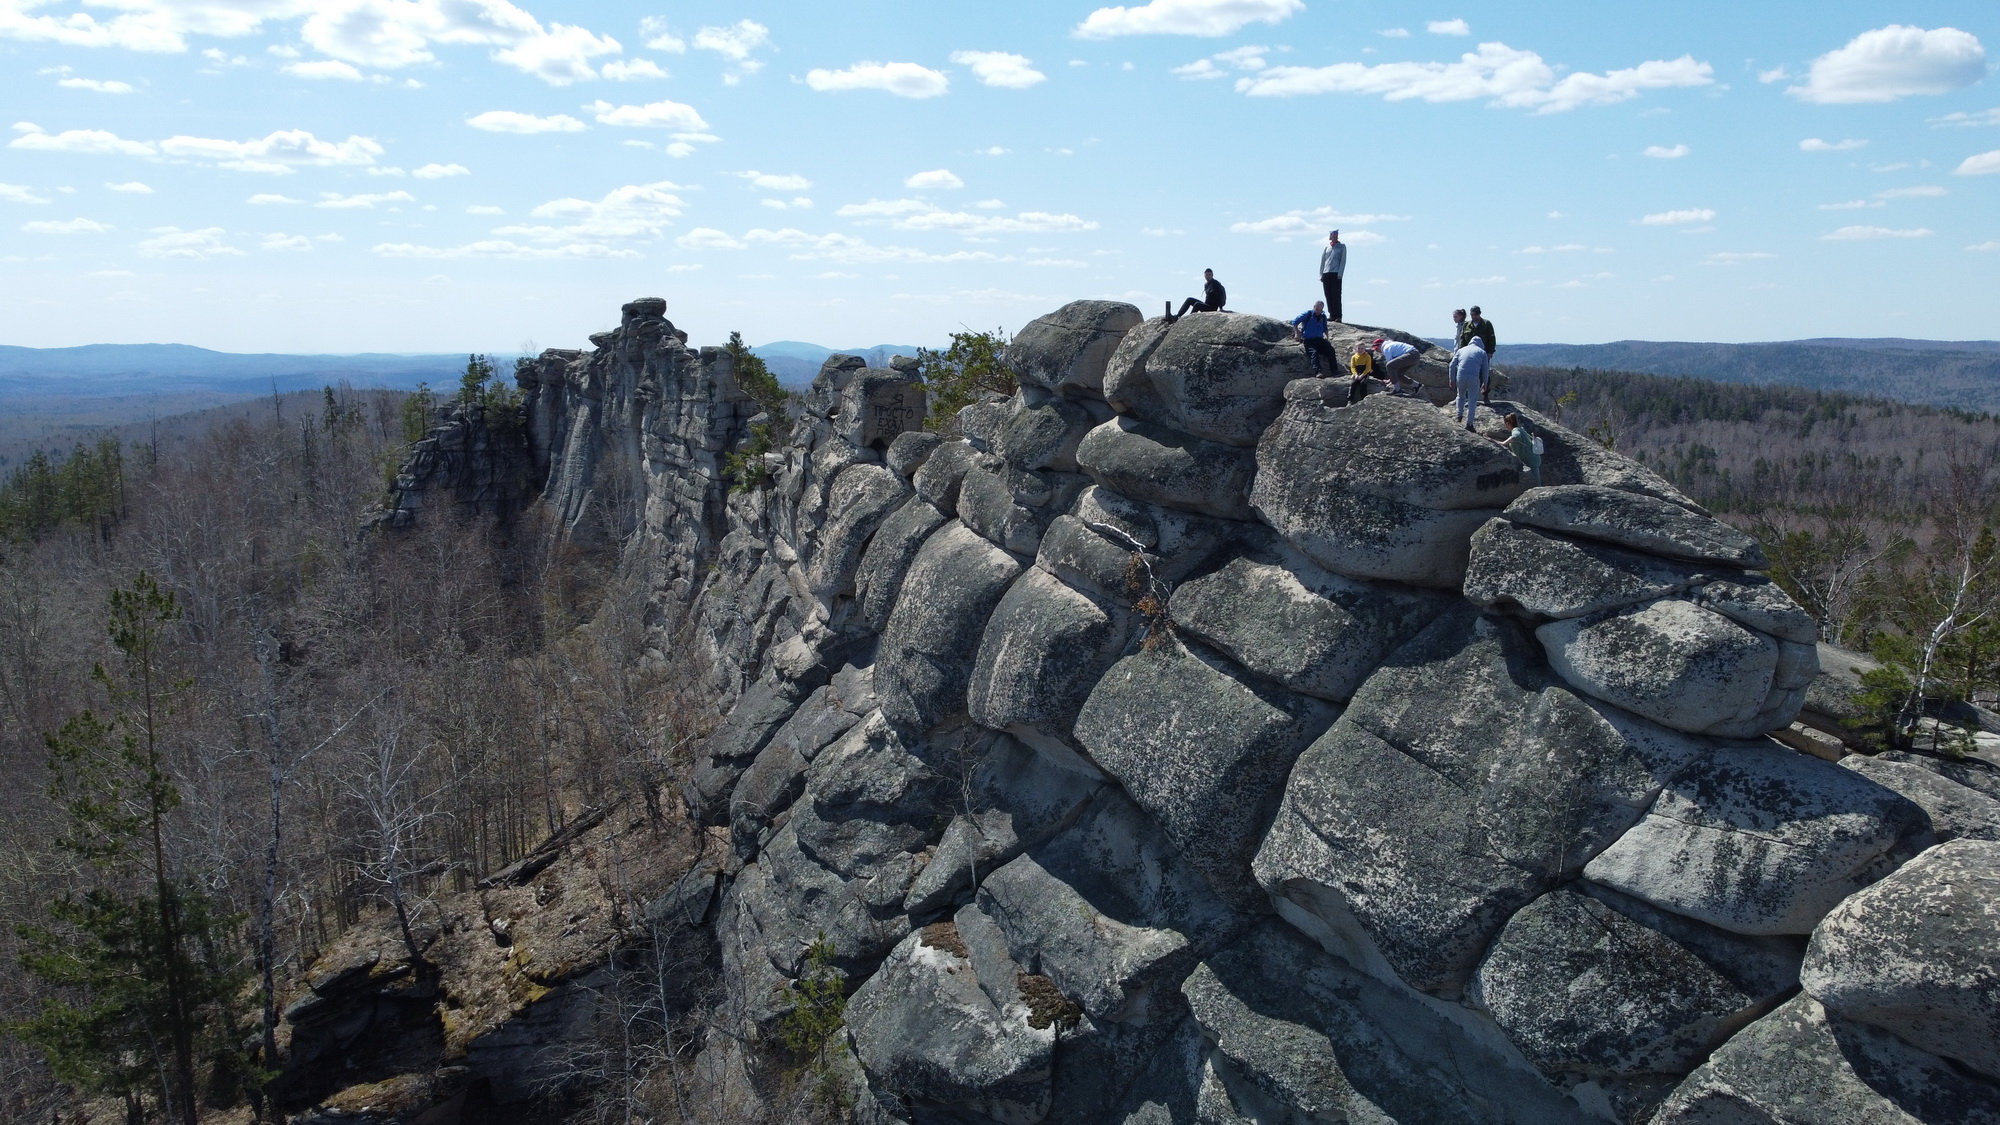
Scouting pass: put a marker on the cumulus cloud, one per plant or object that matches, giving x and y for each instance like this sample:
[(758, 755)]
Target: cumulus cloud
[(15, 193), (660, 37), (1814, 144), (1200, 69), (504, 249), (771, 181), (100, 85), (630, 213), (1394, 33), (266, 199), (1922, 191), (708, 238), (1894, 62), (998, 68), (275, 153), (653, 115), (485, 209), (94, 142), (1855, 234), (1497, 72), (507, 121), (286, 242), (1968, 120), (1678, 218), (1206, 18), (1985, 247), (1315, 223), (338, 201), (915, 214), (934, 180), (852, 250), (322, 68), (440, 171), (631, 70), (173, 242), (1448, 27), (798, 203), (66, 226), (1662, 152), (903, 79), (1984, 164), (736, 43)]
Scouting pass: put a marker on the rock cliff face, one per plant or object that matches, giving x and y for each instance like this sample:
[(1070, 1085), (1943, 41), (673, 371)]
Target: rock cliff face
[(1180, 744)]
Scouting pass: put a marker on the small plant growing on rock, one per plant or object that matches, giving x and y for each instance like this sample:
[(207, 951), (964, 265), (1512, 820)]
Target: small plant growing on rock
[(811, 1029), (746, 467)]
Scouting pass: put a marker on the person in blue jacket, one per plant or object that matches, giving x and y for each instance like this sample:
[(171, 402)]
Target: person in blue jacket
[(1309, 328), (1469, 366)]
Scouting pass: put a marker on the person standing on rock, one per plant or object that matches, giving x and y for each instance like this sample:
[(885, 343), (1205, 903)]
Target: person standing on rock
[(1523, 445), (1213, 295), (1309, 328), (1332, 267), (1459, 332), (1468, 374), (1477, 325)]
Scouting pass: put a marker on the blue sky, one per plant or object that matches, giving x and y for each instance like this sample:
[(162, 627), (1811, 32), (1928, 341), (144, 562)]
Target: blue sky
[(419, 175)]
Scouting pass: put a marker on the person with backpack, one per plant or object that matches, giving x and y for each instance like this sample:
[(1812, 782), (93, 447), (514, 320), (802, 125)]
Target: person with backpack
[(1309, 328), (1469, 366), (1523, 445), (1212, 298)]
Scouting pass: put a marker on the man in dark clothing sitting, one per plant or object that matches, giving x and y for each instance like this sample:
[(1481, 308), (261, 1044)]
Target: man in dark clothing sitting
[(1309, 328), (1211, 299)]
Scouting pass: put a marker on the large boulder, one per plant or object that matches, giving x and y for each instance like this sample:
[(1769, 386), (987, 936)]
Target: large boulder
[(1068, 350), (1222, 376), (1126, 387), (1202, 749), (1116, 548), (887, 560), (1149, 462), (1303, 1034), (1011, 506), (1043, 648), (1388, 488), (1683, 666), (1043, 432), (862, 496), (938, 479), (1956, 811), (1635, 520), (1312, 631), (932, 638), (1919, 954), (778, 775), (1461, 784), (1519, 568), (926, 1027), (1593, 986), (1802, 1065), (1762, 840)]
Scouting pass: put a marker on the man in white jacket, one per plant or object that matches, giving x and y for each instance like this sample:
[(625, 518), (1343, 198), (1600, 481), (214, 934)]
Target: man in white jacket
[(1332, 264)]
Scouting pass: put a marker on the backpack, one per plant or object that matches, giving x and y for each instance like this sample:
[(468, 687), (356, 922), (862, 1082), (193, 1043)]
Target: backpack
[(1537, 440)]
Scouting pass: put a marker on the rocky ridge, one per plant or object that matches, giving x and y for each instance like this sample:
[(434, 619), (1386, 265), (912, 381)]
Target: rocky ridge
[(1177, 744)]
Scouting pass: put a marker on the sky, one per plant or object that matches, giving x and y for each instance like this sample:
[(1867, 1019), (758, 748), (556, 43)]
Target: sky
[(454, 175)]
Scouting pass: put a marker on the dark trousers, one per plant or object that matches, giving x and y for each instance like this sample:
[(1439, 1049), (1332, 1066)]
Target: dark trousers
[(1331, 283), (1196, 304), (1318, 349)]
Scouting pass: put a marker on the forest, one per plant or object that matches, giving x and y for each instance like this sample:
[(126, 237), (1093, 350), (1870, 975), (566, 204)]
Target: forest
[(235, 720)]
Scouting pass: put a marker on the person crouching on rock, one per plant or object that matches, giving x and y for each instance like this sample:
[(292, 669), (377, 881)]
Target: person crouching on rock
[(1397, 360), (1523, 445), (1309, 328), (1468, 375), (1211, 300)]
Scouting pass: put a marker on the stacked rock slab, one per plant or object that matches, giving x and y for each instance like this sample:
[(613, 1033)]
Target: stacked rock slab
[(1171, 742)]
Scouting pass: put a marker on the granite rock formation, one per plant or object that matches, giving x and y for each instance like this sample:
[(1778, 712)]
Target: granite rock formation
[(1175, 743)]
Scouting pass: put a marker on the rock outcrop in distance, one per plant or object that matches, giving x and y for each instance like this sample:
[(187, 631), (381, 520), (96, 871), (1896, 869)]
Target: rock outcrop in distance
[(1181, 744)]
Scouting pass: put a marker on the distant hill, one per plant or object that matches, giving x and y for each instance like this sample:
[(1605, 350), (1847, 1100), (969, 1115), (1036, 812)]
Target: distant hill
[(121, 369), (1957, 373), (795, 362)]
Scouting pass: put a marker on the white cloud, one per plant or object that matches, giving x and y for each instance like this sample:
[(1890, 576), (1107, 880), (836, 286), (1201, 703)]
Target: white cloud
[(440, 171), (653, 115), (770, 181), (1200, 69), (1206, 18), (990, 205), (883, 208), (100, 85), (337, 201), (322, 68), (386, 171), (501, 248), (559, 56), (173, 242), (1314, 223), (1509, 78), (1984, 164), (274, 153), (708, 238), (1565, 248), (485, 209), (659, 38), (632, 212), (1677, 218), (66, 226), (1966, 120), (1814, 144), (1735, 258), (1850, 205), (903, 79), (507, 121), (1027, 222), (1558, 214), (1775, 74), (1922, 191), (1893, 62), (735, 42), (994, 150), (934, 180), (800, 203), (95, 142), (1448, 27), (1661, 152), (264, 199), (15, 193), (286, 242), (998, 68), (851, 250), (1854, 234), (1394, 33), (1985, 247), (131, 187), (631, 70)]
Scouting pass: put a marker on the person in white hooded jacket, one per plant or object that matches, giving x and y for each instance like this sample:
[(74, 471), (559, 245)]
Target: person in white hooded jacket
[(1469, 366)]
